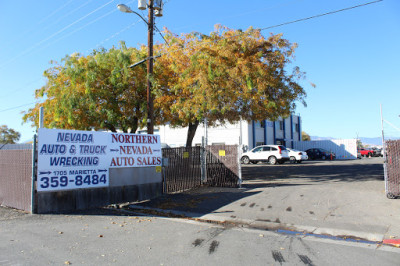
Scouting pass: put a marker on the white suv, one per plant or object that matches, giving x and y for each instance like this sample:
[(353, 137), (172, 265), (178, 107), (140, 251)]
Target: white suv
[(268, 153)]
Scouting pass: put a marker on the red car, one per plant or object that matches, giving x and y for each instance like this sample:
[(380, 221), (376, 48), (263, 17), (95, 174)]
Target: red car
[(366, 152)]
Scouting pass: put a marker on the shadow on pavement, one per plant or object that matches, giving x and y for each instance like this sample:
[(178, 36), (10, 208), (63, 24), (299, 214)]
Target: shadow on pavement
[(315, 172), (201, 201)]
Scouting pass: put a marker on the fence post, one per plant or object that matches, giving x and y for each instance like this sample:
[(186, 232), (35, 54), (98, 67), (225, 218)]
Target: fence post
[(203, 161), (239, 154), (33, 195)]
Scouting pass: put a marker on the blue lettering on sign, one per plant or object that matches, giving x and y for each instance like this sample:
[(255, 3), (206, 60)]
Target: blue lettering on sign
[(74, 161), (92, 149), (75, 137), (53, 149)]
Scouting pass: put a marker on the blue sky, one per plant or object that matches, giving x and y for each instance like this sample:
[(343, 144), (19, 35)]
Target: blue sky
[(351, 56)]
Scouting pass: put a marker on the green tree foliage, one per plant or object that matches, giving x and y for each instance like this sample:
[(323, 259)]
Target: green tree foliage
[(227, 76), (98, 92), (305, 136), (8, 135)]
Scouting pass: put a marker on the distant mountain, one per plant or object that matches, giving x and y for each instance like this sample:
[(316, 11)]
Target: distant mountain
[(372, 141), (320, 138)]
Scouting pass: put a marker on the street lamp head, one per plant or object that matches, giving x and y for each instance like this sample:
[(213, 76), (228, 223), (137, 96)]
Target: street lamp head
[(158, 13), (142, 4), (158, 4), (124, 8)]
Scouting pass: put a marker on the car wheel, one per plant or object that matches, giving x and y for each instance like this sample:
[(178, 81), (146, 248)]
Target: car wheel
[(272, 160), (390, 196), (292, 159), (323, 157), (245, 160)]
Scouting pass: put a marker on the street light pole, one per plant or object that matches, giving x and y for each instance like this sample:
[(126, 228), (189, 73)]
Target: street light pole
[(150, 112), (150, 60)]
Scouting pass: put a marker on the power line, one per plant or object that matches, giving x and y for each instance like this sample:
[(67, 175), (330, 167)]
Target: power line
[(93, 21), (114, 35), (54, 34), (16, 107), (289, 22), (35, 27), (21, 88), (321, 15), (261, 29), (78, 29)]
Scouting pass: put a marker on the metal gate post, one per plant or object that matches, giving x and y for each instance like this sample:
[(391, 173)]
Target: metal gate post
[(239, 154), (33, 195), (203, 161)]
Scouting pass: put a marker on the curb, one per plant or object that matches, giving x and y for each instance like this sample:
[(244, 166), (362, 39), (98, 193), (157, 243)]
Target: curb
[(393, 242), (337, 234)]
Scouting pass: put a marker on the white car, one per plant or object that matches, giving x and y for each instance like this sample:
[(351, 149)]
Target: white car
[(266, 153), (297, 156)]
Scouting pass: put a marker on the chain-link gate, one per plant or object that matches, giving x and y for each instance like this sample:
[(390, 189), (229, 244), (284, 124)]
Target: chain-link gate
[(183, 167)]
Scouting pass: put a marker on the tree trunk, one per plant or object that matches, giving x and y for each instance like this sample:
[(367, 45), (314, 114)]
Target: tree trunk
[(134, 125), (191, 132)]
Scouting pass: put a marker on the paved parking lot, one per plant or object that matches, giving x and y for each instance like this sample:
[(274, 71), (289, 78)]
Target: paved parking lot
[(345, 198), (318, 170)]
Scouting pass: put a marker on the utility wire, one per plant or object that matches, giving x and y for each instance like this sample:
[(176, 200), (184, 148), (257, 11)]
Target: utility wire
[(320, 15), (78, 29), (93, 21), (287, 23), (113, 36), (54, 34), (261, 29), (16, 107), (35, 27)]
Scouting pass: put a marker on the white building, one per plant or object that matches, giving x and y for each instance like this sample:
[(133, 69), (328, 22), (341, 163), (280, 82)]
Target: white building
[(283, 132)]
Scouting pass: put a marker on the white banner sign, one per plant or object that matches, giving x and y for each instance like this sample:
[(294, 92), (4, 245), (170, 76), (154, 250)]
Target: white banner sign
[(70, 159)]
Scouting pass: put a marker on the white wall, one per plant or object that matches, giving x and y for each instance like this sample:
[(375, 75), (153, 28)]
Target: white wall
[(344, 149), (227, 134), (230, 133)]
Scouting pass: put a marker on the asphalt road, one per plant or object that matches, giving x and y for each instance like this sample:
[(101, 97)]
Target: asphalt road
[(122, 237), (366, 169), (111, 238)]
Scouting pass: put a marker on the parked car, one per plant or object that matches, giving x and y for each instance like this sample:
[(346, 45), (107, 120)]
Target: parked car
[(266, 153), (297, 156), (318, 153), (378, 152), (367, 152)]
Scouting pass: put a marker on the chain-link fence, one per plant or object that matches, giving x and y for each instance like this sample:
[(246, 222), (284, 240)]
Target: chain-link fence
[(182, 168), (222, 166), (392, 168), (16, 176)]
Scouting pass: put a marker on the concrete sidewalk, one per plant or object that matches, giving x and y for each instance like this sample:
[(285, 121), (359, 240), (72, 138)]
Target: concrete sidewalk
[(331, 206)]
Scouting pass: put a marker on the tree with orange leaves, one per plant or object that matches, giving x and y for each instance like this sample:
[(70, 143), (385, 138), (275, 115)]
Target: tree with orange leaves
[(225, 77)]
